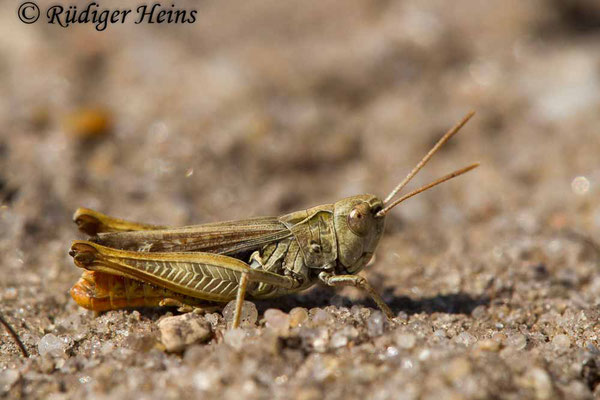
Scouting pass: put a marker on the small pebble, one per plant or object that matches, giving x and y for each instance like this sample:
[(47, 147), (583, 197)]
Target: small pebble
[(107, 348), (339, 339), (440, 334), (466, 339), (499, 337), (479, 312), (8, 378), (213, 319), (517, 341), (406, 340), (249, 313), (47, 364), (364, 372), (183, 330), (391, 352), (235, 338), (205, 379), (375, 324), (317, 338), (325, 368), (321, 341), (142, 342), (71, 323), (540, 381), (322, 317), (298, 316), (489, 345), (135, 316), (278, 321), (402, 316), (457, 369), (561, 342), (350, 332), (52, 346)]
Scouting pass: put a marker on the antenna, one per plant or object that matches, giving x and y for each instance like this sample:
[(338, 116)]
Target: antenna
[(433, 150), (424, 188)]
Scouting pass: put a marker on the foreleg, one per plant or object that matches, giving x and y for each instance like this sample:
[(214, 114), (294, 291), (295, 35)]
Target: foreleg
[(359, 282)]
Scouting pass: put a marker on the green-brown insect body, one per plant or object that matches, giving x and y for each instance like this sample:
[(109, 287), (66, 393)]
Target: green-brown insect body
[(260, 257), (306, 243)]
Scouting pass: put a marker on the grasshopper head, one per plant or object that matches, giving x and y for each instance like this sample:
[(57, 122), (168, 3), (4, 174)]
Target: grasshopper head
[(359, 220), (358, 229)]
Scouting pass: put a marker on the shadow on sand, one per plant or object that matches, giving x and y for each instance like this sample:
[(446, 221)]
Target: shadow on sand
[(455, 303)]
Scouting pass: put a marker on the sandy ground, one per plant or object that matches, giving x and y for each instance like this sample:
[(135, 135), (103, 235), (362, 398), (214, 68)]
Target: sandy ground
[(265, 107)]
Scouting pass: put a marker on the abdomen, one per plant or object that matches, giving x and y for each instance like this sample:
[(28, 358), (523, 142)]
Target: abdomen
[(98, 291)]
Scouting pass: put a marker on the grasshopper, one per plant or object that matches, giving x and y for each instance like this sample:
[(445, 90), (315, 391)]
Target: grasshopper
[(129, 264)]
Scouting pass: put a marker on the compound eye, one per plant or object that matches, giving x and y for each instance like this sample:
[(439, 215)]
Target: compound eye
[(358, 219)]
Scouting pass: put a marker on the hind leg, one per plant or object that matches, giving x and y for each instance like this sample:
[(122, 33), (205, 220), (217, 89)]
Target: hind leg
[(92, 222)]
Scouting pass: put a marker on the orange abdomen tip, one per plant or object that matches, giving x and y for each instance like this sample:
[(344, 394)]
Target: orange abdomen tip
[(98, 291)]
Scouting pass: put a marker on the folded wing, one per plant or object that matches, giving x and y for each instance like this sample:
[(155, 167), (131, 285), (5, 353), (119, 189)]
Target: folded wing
[(229, 238)]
